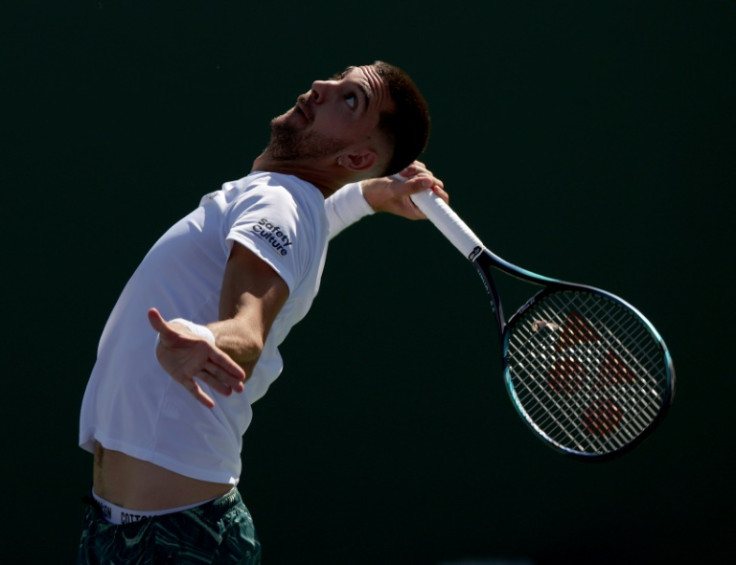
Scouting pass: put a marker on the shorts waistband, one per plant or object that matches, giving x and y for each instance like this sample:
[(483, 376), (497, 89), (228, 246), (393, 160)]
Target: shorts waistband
[(118, 515)]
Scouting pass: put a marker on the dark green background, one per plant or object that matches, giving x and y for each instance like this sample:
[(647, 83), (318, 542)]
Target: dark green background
[(593, 141)]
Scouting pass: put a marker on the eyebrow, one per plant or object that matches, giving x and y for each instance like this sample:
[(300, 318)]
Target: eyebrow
[(366, 93)]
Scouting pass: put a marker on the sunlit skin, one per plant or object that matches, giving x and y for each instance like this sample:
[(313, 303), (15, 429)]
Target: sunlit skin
[(330, 136)]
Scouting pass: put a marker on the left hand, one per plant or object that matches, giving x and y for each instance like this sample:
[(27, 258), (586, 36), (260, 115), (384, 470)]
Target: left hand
[(185, 356), (391, 194)]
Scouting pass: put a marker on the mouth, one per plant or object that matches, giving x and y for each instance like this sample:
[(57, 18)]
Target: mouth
[(302, 108)]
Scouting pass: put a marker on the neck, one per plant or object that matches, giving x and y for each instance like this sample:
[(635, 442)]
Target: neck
[(327, 177)]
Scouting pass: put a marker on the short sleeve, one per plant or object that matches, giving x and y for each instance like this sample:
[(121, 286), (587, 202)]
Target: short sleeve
[(266, 221)]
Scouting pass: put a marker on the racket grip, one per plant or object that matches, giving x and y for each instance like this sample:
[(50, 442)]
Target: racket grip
[(448, 222)]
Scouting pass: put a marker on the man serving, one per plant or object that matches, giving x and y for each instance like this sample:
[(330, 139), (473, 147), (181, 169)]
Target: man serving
[(193, 339)]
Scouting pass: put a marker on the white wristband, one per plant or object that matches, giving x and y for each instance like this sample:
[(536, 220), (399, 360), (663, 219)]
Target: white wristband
[(345, 207), (196, 329)]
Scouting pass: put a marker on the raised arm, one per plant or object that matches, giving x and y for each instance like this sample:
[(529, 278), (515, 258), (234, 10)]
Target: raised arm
[(386, 194), (223, 353)]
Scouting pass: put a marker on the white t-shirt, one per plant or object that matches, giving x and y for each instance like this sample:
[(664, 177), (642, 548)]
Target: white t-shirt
[(131, 404)]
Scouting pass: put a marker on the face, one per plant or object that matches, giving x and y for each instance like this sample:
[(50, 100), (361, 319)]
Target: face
[(336, 115)]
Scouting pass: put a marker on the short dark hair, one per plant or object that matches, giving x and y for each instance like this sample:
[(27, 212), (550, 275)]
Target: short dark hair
[(407, 125)]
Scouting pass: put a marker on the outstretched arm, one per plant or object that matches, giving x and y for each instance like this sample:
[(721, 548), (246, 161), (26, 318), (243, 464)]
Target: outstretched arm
[(252, 295)]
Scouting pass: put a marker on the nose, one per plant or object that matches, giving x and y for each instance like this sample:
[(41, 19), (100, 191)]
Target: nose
[(319, 91)]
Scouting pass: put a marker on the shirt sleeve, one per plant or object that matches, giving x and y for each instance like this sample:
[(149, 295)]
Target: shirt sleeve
[(266, 221), (345, 207)]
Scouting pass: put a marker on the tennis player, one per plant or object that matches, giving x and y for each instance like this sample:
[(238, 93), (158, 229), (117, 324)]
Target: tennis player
[(193, 340)]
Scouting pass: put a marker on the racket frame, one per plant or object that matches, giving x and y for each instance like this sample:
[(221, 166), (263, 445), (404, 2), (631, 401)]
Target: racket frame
[(484, 260)]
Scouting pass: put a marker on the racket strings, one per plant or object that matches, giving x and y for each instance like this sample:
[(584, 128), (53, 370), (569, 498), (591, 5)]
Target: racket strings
[(581, 402), (557, 416), (585, 371), (587, 382)]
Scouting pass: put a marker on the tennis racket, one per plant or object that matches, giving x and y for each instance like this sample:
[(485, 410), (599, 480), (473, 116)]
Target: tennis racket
[(586, 371)]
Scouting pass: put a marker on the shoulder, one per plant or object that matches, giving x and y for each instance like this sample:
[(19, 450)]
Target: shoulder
[(280, 219), (274, 187), (278, 208), (279, 196)]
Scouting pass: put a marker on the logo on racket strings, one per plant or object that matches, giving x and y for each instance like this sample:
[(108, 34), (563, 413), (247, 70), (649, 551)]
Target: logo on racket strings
[(585, 366)]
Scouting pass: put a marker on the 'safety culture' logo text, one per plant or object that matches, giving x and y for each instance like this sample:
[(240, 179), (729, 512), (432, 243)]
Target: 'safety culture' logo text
[(273, 234)]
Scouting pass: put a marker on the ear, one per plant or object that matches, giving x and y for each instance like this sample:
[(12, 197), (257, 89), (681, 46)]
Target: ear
[(358, 160)]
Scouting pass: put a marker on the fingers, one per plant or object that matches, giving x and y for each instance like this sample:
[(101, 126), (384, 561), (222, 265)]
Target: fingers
[(219, 380), (415, 168), (420, 183), (224, 367), (159, 324), (224, 380), (418, 170), (440, 191), (202, 397), (216, 385), (156, 320), (219, 372)]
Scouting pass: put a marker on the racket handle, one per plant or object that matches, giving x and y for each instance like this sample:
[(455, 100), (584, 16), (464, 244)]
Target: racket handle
[(448, 222)]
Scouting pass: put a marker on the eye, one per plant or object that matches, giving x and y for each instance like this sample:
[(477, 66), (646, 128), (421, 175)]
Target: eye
[(351, 100)]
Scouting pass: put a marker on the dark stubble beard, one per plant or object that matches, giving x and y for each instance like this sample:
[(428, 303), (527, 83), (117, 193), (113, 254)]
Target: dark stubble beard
[(290, 144)]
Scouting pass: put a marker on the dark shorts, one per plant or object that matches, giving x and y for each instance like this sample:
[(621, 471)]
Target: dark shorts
[(218, 532)]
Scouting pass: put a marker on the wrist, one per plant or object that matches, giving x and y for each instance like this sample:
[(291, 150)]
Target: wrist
[(354, 200), (347, 206), (197, 329), (370, 189)]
